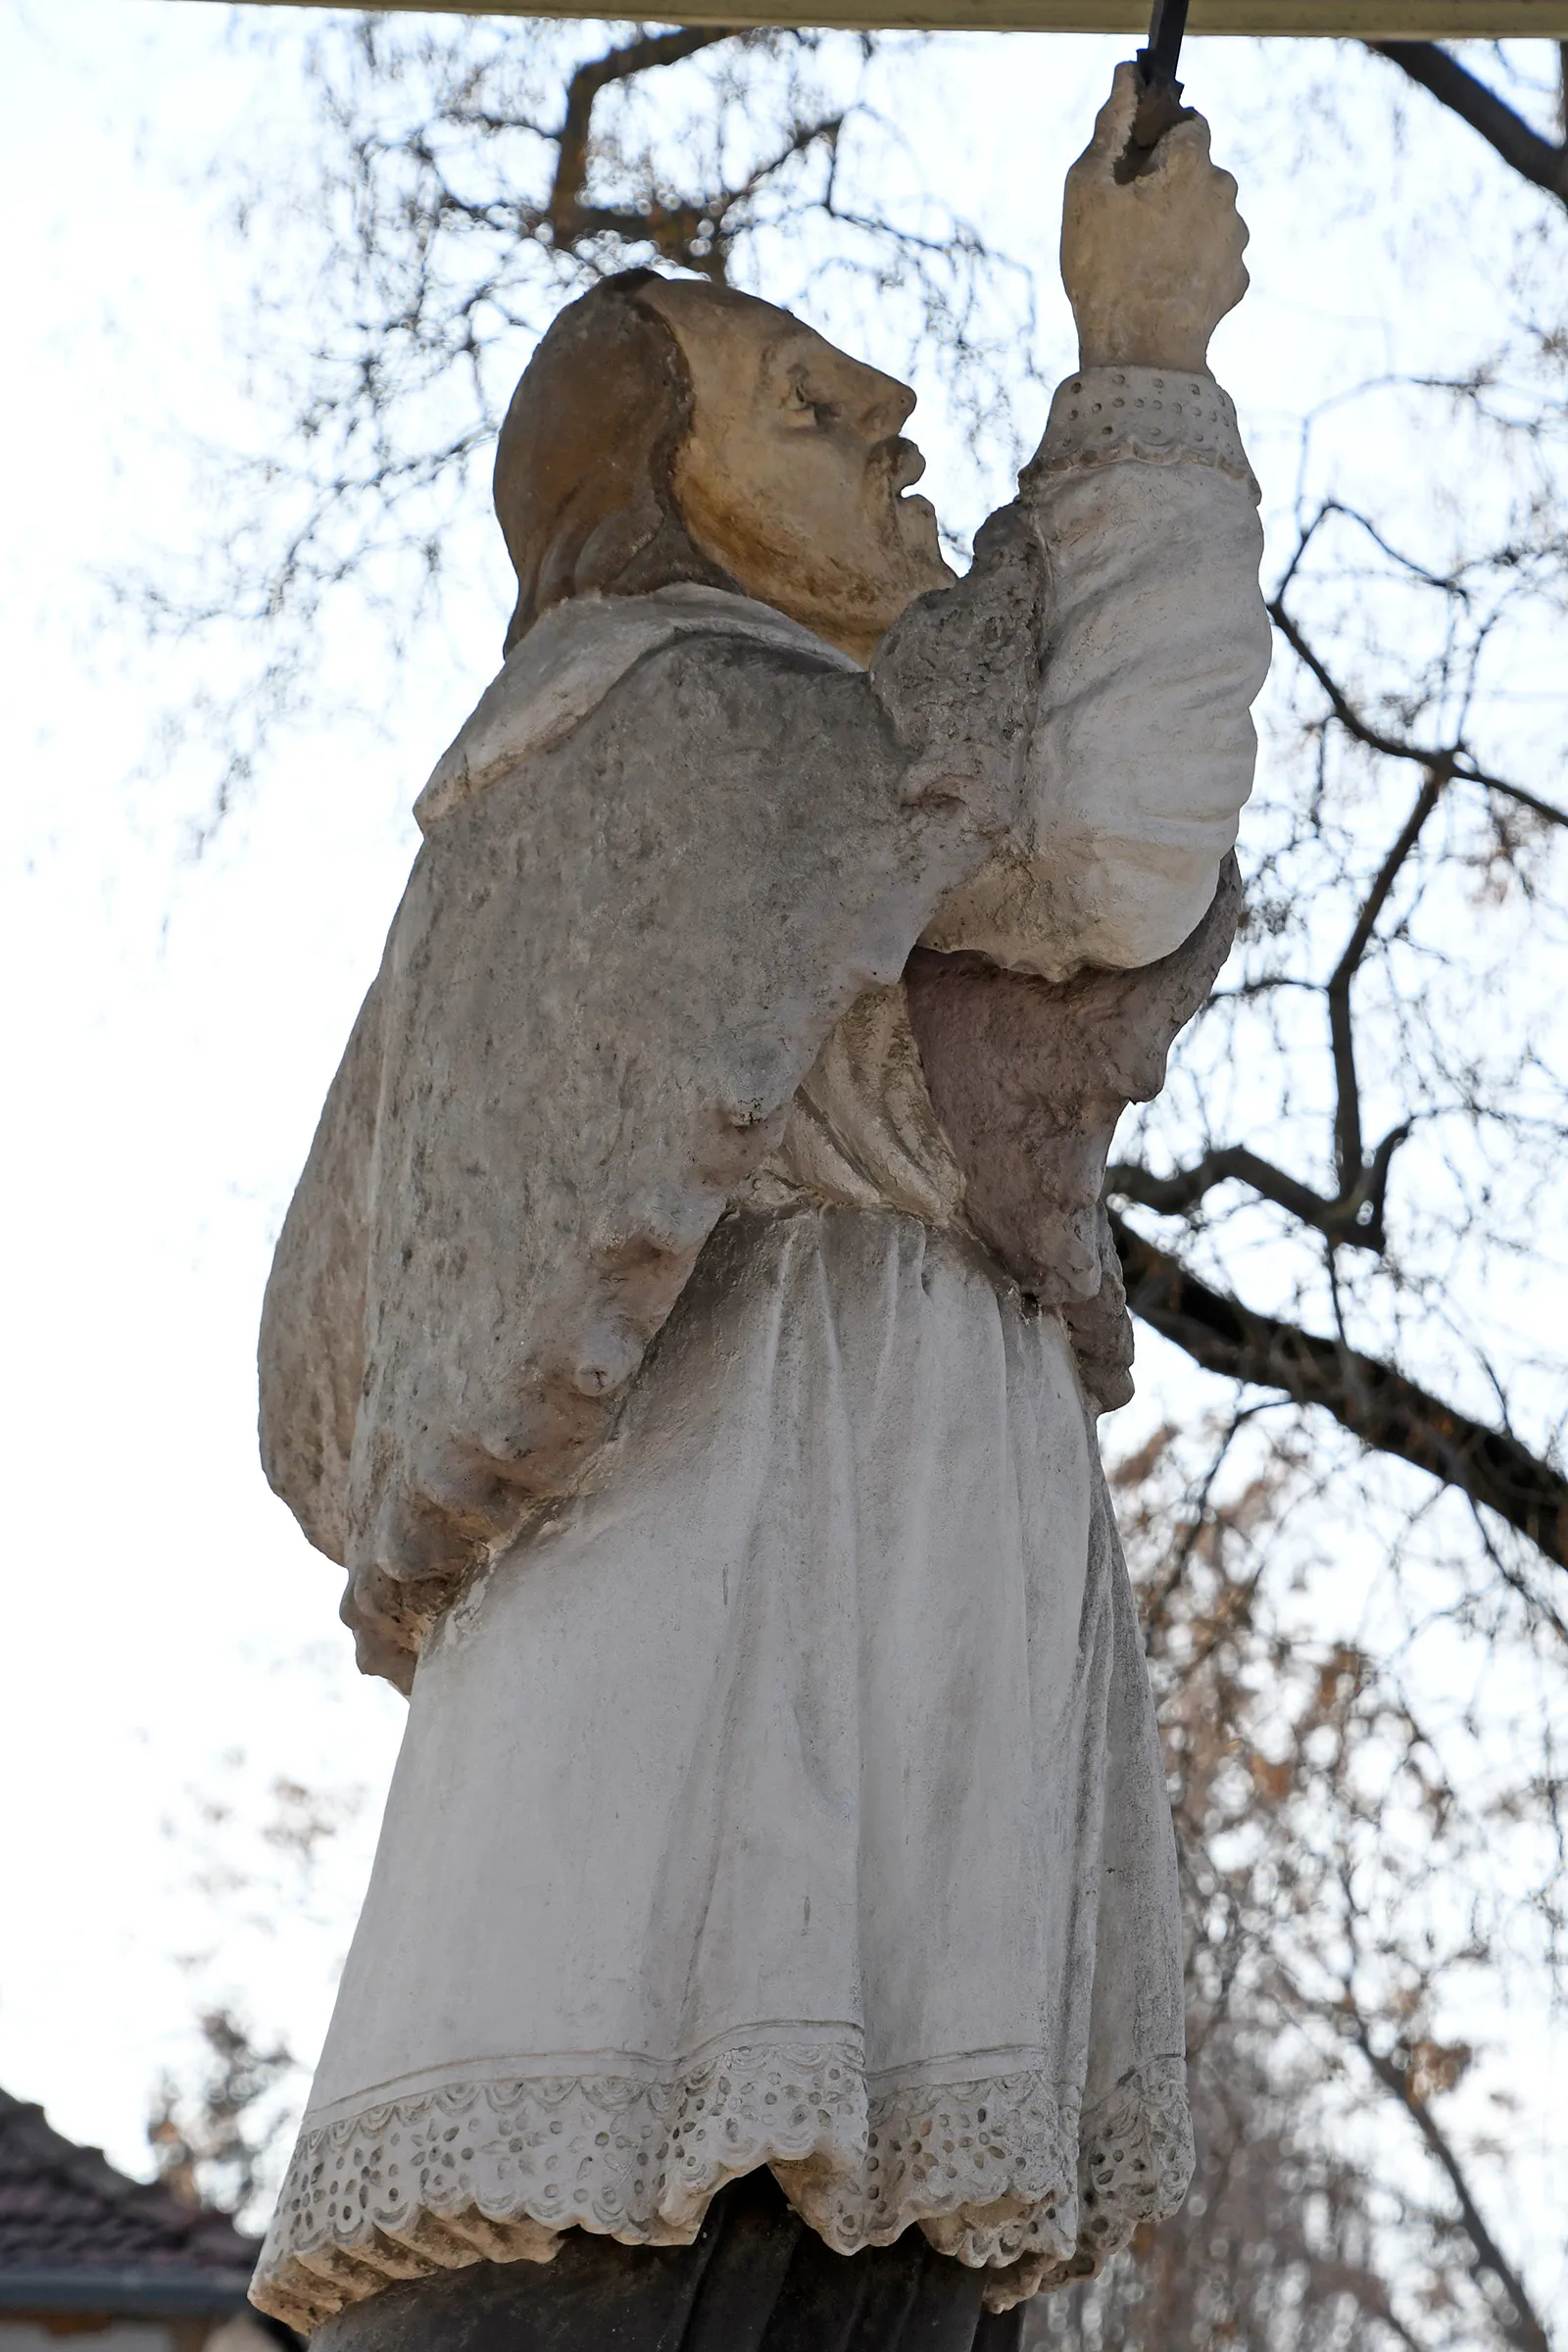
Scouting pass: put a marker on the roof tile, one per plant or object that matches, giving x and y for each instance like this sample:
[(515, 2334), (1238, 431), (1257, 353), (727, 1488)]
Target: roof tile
[(64, 2206)]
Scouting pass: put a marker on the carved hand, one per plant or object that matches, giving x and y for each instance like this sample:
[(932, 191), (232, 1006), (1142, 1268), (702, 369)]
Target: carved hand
[(1150, 265)]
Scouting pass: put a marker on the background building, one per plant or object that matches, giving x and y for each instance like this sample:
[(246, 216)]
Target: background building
[(85, 2251)]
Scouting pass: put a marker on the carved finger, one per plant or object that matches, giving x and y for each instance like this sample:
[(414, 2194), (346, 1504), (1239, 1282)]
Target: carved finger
[(1114, 124), (1183, 151)]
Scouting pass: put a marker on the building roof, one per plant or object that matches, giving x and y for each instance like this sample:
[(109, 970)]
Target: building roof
[(78, 2235)]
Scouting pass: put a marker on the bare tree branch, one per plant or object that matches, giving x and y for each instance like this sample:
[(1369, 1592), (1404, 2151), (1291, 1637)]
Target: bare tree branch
[(1521, 2324), (1347, 1149), (1355, 1217), (623, 63), (1450, 763), (1371, 1399), (1355, 1214), (695, 235), (1533, 158)]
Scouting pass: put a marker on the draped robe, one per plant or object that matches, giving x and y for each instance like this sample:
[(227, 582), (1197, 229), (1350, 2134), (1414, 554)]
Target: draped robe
[(687, 1334)]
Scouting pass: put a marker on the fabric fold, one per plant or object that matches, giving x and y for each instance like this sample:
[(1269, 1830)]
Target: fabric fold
[(791, 1799)]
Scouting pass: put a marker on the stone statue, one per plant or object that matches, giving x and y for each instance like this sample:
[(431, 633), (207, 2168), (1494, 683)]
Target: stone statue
[(689, 1327)]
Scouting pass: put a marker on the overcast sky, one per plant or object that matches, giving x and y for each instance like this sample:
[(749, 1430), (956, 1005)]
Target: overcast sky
[(173, 1018)]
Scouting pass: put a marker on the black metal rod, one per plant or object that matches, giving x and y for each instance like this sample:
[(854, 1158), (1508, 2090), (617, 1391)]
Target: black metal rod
[(1160, 94), (1162, 56)]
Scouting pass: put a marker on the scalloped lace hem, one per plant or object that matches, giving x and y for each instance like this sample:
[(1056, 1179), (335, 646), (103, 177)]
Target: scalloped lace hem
[(1001, 2172)]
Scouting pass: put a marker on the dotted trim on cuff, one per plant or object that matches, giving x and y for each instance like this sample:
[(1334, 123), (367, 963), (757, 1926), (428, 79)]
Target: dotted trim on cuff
[(1108, 413)]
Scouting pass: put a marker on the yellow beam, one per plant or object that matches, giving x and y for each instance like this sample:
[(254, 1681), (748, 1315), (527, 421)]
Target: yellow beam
[(1362, 20)]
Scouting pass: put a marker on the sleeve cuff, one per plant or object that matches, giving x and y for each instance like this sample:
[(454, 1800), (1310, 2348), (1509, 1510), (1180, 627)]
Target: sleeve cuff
[(1103, 414)]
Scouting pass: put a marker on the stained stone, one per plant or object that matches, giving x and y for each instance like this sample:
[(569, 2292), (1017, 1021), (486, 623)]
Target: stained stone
[(689, 1332)]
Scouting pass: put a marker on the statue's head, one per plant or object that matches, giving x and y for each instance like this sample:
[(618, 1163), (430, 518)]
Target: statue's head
[(667, 430)]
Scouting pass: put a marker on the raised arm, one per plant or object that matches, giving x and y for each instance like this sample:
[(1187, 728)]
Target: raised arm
[(1143, 501), (1095, 935)]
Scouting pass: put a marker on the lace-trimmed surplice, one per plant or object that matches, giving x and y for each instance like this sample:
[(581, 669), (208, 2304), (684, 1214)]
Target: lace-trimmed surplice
[(813, 1765), (790, 1794)]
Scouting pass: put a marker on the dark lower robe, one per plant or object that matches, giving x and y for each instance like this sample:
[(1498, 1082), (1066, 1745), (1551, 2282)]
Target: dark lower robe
[(756, 2280)]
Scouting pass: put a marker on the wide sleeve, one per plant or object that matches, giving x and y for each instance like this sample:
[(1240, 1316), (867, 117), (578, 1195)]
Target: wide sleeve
[(1028, 1078), (1054, 979), (310, 1357), (609, 971), (1142, 745)]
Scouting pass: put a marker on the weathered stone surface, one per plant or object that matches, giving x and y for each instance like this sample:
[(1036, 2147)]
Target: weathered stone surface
[(773, 478), (637, 919), (688, 1324), (1152, 267), (1028, 1079), (602, 988)]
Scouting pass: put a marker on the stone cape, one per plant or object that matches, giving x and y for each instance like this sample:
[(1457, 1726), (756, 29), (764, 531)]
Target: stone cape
[(601, 989), (599, 994), (614, 991)]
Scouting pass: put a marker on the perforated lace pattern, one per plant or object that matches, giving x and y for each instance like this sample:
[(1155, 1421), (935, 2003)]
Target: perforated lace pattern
[(999, 2172), (1151, 412)]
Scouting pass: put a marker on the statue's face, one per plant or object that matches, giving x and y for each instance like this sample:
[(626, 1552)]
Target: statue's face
[(794, 474)]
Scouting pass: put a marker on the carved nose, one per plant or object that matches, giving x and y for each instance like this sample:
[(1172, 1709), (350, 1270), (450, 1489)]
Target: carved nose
[(887, 402)]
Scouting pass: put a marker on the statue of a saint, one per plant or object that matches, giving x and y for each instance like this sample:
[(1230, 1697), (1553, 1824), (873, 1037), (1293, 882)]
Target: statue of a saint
[(689, 1330)]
